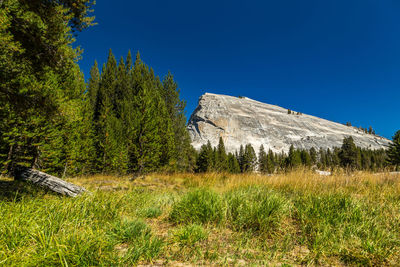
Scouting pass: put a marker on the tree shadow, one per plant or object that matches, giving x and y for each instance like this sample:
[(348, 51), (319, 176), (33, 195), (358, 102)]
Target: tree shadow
[(16, 190)]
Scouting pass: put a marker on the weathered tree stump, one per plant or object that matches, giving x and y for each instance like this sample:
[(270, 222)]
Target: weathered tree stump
[(47, 181)]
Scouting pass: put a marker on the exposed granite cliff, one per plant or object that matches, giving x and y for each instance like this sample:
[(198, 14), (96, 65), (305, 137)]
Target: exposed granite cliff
[(243, 120)]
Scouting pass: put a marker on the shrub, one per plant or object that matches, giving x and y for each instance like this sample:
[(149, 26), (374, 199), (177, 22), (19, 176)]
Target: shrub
[(198, 206)]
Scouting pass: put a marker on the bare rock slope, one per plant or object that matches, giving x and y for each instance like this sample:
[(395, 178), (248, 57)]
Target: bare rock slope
[(243, 120)]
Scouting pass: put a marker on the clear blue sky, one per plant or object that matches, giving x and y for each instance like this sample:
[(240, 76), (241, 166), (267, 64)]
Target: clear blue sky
[(338, 59)]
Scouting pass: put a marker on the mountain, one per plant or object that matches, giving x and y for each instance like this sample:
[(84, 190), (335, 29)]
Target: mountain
[(241, 120)]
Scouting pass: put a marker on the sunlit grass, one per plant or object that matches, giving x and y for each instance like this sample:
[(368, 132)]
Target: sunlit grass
[(294, 218)]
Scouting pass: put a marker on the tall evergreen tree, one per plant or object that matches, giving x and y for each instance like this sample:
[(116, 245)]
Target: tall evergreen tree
[(204, 160), (271, 162), (79, 141), (348, 154), (93, 89), (233, 164), (176, 110), (146, 144), (249, 159), (109, 127), (241, 159), (262, 160), (294, 158), (394, 150), (313, 156), (305, 158), (221, 157), (38, 71)]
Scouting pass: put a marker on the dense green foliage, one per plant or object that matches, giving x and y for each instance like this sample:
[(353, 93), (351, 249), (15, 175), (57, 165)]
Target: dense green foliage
[(125, 119), (42, 106), (394, 150), (349, 158), (36, 57), (138, 120)]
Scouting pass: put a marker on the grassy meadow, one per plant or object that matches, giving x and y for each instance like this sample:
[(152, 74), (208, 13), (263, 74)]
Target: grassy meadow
[(299, 218)]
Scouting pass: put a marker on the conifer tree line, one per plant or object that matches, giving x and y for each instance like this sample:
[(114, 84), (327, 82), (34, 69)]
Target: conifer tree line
[(348, 157), (124, 120), (138, 120)]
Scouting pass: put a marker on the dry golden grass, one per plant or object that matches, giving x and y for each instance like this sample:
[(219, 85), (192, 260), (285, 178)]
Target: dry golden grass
[(305, 180)]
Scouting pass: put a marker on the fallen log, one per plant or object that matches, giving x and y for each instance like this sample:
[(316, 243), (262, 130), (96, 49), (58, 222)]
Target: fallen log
[(47, 181)]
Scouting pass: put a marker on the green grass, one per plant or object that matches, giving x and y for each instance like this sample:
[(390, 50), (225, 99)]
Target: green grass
[(190, 235), (198, 206), (139, 238), (256, 209), (293, 219)]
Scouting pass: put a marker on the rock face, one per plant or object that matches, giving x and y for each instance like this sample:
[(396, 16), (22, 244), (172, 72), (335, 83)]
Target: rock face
[(243, 120)]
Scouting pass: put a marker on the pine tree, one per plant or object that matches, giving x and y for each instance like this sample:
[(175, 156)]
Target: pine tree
[(348, 154), (233, 164), (37, 73), (93, 89), (262, 160), (36, 51), (313, 156), (394, 150), (335, 157), (294, 159), (328, 158), (107, 118), (241, 159), (145, 146), (95, 101), (221, 157), (176, 111), (79, 142), (322, 158), (204, 160), (128, 62), (192, 158), (249, 159), (270, 162), (305, 158)]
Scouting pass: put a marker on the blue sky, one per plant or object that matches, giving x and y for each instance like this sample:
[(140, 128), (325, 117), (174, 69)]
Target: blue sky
[(339, 60)]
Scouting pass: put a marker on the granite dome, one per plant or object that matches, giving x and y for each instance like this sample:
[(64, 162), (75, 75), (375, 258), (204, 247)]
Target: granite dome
[(240, 120)]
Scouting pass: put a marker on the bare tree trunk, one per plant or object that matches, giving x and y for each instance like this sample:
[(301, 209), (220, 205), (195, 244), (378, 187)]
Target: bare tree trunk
[(47, 181)]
